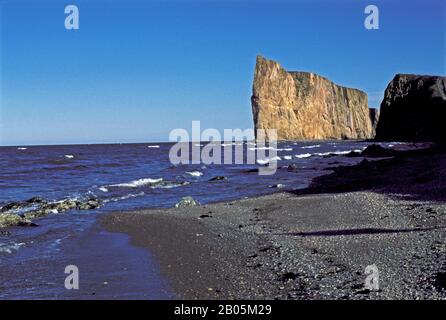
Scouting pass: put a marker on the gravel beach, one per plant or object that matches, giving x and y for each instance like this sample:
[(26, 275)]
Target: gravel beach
[(312, 245)]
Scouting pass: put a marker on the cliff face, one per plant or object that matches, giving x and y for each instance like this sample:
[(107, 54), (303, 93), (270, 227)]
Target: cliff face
[(374, 117), (303, 105), (413, 109)]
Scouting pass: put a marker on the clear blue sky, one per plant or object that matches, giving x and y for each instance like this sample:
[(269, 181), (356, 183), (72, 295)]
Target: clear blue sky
[(137, 69)]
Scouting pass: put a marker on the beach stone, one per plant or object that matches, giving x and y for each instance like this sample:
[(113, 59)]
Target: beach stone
[(187, 202), (376, 150)]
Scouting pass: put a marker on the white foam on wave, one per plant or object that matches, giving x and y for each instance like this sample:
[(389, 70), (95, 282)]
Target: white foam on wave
[(323, 154), (337, 153), (311, 147), (167, 186), (302, 156), (153, 146), (103, 189), (230, 144), (69, 156), (261, 148), (271, 148), (194, 173), (265, 161), (22, 148), (284, 149), (10, 247), (288, 157), (137, 183)]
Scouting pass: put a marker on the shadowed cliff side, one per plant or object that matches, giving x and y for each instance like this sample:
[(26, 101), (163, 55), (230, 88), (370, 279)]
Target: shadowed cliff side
[(306, 106), (413, 109)]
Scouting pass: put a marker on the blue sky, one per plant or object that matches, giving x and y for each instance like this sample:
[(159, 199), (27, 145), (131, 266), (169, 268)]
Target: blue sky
[(137, 69)]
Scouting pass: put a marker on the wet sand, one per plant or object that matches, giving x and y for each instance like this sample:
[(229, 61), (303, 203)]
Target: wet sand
[(314, 244)]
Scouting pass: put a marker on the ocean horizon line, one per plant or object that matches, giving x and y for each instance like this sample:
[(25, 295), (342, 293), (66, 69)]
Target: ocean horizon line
[(111, 143)]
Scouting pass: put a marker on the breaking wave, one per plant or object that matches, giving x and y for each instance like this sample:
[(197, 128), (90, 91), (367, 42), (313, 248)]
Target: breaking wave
[(302, 156), (10, 247), (265, 161), (194, 173), (137, 183)]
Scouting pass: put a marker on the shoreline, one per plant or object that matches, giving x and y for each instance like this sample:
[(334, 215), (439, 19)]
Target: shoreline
[(307, 246)]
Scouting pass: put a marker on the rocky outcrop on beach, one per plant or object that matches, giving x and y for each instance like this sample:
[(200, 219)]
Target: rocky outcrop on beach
[(21, 213), (413, 109), (187, 202), (304, 105)]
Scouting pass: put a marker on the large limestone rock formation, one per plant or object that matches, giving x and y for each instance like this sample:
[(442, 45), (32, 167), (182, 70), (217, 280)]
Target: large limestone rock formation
[(413, 109), (304, 105)]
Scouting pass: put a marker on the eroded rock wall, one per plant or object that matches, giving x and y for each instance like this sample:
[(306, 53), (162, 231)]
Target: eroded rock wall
[(306, 106)]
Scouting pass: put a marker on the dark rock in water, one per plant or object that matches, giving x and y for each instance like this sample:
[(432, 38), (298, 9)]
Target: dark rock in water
[(353, 154), (36, 200), (27, 224), (5, 233), (377, 151), (292, 167), (218, 178), (413, 109), (37, 207), (187, 202), (90, 204), (65, 205), (9, 219), (11, 206)]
